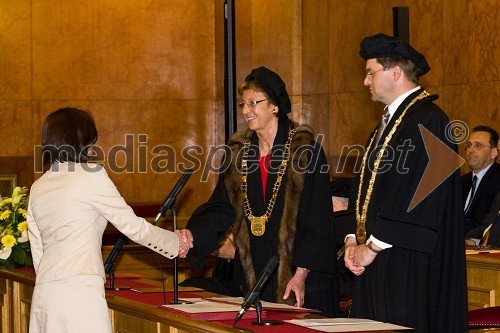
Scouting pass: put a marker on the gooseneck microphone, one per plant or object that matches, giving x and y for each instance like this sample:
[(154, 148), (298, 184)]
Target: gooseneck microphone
[(108, 265), (167, 204), (253, 295), (169, 201)]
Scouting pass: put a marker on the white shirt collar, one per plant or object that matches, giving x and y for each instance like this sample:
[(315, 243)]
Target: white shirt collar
[(397, 102), (481, 174)]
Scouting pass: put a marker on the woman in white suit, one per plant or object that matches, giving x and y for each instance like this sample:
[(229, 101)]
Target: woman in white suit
[(69, 207)]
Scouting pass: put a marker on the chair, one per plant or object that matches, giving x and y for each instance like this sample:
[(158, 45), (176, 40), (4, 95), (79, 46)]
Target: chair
[(485, 318)]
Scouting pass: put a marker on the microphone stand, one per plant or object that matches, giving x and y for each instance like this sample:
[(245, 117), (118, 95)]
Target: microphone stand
[(259, 321), (169, 203), (108, 265), (176, 270), (173, 208), (253, 295)]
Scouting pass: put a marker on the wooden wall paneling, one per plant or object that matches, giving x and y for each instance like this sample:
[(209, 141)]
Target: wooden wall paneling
[(314, 74), (22, 166), (15, 130), (144, 82), (426, 35), (15, 64), (456, 43), (130, 70), (484, 61)]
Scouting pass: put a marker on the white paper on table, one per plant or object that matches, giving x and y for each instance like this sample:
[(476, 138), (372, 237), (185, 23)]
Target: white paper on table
[(345, 325), (204, 307), (265, 305), (191, 299)]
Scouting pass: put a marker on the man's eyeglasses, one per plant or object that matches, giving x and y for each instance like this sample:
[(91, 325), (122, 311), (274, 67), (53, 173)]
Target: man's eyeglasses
[(250, 104), (370, 75), (476, 145)]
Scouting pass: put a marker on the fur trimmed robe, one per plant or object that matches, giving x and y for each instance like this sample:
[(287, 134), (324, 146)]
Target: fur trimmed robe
[(299, 229), (288, 224)]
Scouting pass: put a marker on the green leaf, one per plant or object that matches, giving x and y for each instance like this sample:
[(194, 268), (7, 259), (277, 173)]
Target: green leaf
[(6, 264), (18, 255), (29, 261), (25, 245)]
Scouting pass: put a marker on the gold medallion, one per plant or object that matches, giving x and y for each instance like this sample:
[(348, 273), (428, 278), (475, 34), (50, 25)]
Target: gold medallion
[(258, 224), (361, 233)]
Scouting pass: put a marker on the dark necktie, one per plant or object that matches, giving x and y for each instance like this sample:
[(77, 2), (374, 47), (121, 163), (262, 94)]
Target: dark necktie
[(472, 192), (382, 125)]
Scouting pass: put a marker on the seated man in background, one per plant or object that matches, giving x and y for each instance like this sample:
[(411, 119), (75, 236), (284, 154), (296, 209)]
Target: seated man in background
[(480, 186), (488, 233)]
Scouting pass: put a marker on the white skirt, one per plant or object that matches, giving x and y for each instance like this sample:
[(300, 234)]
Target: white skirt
[(73, 305)]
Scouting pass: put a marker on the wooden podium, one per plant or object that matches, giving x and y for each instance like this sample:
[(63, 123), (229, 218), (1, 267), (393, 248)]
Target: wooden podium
[(127, 316), (483, 280), (130, 311)]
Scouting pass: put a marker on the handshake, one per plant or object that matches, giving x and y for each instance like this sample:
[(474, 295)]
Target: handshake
[(185, 242)]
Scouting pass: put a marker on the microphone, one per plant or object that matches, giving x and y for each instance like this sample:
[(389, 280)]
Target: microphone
[(167, 204), (169, 201), (253, 295), (108, 265)]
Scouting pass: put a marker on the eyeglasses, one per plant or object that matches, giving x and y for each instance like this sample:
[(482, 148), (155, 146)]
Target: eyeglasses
[(371, 74), (476, 145), (250, 104)]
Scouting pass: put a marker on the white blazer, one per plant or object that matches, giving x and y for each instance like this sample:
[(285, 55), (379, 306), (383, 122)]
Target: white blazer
[(68, 209)]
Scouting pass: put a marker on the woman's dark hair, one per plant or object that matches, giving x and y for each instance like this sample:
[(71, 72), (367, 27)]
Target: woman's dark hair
[(67, 136)]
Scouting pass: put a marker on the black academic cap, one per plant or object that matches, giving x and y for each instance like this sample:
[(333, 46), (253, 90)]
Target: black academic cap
[(340, 187), (274, 87), (381, 46)]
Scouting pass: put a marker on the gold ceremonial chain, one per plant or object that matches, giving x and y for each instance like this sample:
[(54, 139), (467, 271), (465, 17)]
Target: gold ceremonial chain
[(258, 223), (361, 218)]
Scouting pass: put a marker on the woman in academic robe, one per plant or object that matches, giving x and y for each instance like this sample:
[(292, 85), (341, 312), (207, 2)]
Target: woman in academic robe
[(273, 190)]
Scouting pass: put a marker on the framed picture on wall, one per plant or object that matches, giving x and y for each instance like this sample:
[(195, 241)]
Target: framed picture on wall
[(7, 184)]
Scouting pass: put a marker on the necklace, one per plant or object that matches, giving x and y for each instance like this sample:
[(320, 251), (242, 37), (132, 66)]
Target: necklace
[(361, 215), (258, 223)]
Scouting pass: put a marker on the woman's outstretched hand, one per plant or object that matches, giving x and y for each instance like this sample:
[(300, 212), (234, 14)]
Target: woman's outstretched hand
[(185, 242)]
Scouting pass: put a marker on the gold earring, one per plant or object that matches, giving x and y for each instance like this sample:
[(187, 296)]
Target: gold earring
[(275, 112)]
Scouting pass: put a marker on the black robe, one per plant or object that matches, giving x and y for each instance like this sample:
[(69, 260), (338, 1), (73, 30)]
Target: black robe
[(313, 245), (420, 282)]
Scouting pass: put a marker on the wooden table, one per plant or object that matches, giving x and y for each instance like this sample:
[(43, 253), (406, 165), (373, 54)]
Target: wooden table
[(127, 316), (483, 280), (130, 311)]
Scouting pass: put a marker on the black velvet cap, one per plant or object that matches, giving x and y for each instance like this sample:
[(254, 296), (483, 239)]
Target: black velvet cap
[(274, 87), (340, 187), (381, 46)]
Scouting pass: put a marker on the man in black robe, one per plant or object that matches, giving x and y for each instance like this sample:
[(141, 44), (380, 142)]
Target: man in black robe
[(410, 263)]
